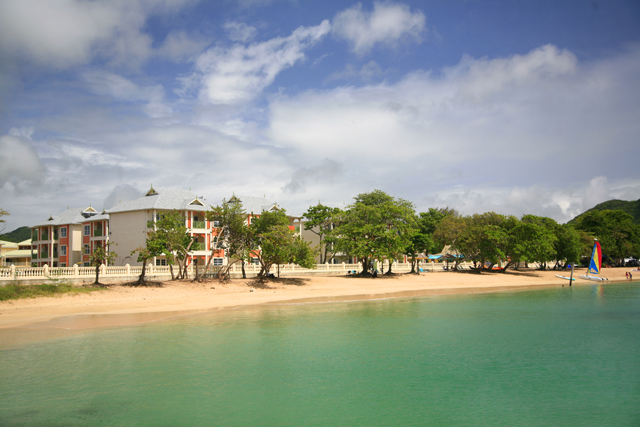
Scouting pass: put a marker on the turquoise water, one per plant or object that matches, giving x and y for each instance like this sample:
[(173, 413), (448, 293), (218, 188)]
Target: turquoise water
[(563, 356)]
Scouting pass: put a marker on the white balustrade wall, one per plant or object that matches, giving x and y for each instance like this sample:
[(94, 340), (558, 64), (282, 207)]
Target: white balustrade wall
[(127, 272)]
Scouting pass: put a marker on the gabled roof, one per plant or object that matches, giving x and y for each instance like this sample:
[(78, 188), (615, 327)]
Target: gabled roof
[(70, 216), (254, 205), (6, 244), (163, 199)]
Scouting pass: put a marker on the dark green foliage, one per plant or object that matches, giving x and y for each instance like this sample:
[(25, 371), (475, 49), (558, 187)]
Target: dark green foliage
[(619, 236), (320, 222), (18, 235), (274, 243), (232, 235), (632, 208), (376, 226)]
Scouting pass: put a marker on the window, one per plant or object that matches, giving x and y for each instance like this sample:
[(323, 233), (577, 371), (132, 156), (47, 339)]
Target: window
[(216, 223), (86, 264), (217, 261), (160, 262), (64, 264), (63, 250), (86, 250), (63, 232), (87, 230), (255, 261)]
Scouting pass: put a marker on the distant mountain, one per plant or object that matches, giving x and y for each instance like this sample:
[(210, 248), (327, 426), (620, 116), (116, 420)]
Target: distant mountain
[(18, 235), (632, 208)]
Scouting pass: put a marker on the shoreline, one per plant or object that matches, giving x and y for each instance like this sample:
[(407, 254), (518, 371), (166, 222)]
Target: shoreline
[(122, 306)]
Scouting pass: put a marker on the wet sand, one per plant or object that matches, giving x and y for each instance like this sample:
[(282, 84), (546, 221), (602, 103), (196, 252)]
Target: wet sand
[(120, 305)]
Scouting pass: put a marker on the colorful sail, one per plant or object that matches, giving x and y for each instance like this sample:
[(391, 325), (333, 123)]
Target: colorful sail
[(596, 259)]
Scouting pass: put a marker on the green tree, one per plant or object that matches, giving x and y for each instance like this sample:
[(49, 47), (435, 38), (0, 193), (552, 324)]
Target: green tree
[(101, 255), (568, 246), (274, 243), (376, 226), (155, 245), (479, 237), (616, 231), (231, 234), (421, 241), (174, 235), (320, 222), (532, 239)]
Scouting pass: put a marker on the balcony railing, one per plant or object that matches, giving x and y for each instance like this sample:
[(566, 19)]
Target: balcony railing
[(97, 233), (55, 254), (198, 247), (44, 255), (199, 224)]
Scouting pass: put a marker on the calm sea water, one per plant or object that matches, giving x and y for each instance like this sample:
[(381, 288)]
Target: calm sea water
[(565, 356)]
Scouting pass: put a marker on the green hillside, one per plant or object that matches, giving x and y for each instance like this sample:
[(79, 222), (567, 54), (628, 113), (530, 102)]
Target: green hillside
[(17, 235), (632, 208)]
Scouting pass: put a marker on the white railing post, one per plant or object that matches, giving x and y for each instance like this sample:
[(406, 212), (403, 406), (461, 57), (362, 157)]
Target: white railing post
[(128, 269), (45, 271)]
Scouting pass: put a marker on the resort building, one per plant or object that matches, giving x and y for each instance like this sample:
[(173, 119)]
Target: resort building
[(131, 221), (18, 254), (69, 238)]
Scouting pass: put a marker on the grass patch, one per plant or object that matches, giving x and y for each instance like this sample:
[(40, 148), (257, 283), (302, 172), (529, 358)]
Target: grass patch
[(15, 291)]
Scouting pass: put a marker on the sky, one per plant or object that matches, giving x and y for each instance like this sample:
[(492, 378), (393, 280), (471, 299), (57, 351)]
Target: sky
[(488, 105)]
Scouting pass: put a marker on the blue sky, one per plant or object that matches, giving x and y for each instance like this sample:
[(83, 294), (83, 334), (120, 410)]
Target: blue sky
[(507, 106)]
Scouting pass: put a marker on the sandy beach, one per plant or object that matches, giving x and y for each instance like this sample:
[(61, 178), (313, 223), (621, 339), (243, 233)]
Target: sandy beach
[(121, 305)]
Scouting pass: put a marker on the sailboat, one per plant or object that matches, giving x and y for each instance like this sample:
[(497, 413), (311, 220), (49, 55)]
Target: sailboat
[(595, 264)]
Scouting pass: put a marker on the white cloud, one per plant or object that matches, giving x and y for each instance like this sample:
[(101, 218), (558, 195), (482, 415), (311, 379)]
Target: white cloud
[(19, 161), (387, 24), (484, 77), (70, 32), (426, 115), (239, 31), (559, 202), (502, 123), (229, 75), (105, 83)]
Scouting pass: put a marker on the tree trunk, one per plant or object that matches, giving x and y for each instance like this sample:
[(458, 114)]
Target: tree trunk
[(413, 265), (390, 263), (244, 274), (97, 282), (144, 269), (365, 265), (173, 277)]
